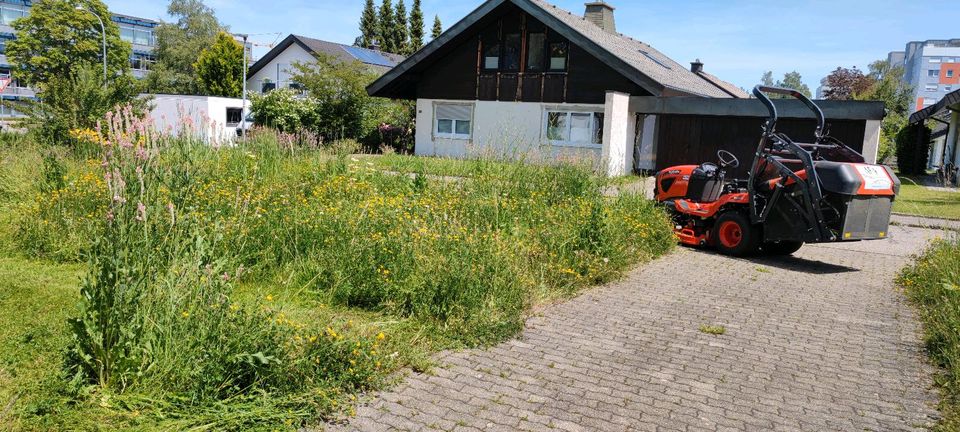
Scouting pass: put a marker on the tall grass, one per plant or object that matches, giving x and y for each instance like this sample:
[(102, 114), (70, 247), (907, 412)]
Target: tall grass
[(168, 226), (933, 284)]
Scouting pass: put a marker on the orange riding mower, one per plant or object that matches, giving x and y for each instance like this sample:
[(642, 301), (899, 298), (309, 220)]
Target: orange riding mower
[(795, 193)]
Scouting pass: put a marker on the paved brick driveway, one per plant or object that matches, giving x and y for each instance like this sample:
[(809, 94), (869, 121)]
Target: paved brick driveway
[(821, 341)]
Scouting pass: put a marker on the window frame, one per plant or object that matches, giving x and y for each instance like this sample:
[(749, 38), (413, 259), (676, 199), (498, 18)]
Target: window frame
[(453, 122), (949, 73), (235, 110), (597, 118), (931, 87), (933, 73), (566, 56)]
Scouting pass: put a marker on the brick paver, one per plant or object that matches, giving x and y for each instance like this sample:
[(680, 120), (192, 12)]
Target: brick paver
[(820, 341)]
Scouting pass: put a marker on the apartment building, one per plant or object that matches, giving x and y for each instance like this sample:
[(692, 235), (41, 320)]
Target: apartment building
[(931, 67), (139, 32)]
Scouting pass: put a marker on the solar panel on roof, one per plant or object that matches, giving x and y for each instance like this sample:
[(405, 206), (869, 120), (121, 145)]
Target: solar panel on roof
[(369, 56)]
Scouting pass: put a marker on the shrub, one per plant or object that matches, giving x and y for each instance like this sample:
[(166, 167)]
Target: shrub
[(913, 148), (933, 284)]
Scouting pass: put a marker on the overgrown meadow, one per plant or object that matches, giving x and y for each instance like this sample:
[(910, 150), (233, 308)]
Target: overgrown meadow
[(933, 284), (261, 286)]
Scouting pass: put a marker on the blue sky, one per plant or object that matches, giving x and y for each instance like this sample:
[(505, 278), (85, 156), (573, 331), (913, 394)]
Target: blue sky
[(736, 39)]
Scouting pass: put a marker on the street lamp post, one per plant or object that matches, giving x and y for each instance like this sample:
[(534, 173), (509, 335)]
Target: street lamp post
[(103, 35)]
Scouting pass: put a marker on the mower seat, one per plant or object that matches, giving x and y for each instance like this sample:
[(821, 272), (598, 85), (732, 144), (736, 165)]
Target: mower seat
[(706, 184)]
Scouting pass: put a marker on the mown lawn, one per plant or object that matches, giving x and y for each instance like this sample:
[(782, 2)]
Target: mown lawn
[(166, 285), (933, 284), (918, 200)]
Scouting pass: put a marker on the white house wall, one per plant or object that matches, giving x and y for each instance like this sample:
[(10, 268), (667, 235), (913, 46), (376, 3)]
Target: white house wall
[(203, 117), (510, 130), (280, 69)]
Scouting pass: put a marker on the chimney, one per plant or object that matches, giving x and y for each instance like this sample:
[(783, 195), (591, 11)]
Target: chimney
[(601, 14), (696, 66)]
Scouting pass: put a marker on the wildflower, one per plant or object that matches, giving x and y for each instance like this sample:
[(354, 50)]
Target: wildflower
[(269, 297), (225, 277), (381, 336), (185, 314), (141, 212)]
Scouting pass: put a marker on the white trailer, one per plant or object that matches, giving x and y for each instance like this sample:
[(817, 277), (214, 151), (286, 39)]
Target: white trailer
[(213, 120)]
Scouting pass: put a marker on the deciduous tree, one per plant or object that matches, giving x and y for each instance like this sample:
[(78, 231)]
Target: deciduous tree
[(843, 83), (793, 80), (179, 45), (56, 39), (220, 68)]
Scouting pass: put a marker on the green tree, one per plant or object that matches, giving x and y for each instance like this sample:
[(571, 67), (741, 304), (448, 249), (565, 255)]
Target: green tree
[(767, 79), (77, 100), (387, 27), (416, 27), (887, 86), (793, 80), (56, 38), (344, 110), (437, 27), (368, 25), (179, 45), (220, 68), (401, 32)]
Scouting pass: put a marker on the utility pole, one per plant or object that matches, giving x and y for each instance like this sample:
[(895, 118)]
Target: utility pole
[(243, 81), (103, 35)]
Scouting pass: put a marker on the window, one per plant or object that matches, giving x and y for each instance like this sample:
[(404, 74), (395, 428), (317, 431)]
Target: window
[(126, 33), (577, 129), (8, 14), (511, 52), (949, 60), (558, 56), (453, 121), (949, 73), (933, 73), (233, 116), (491, 56), (536, 44), (934, 59), (143, 37), (267, 86), (932, 87), (948, 88), (930, 101)]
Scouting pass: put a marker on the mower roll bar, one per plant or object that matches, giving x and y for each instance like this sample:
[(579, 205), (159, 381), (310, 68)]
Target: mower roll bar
[(759, 91)]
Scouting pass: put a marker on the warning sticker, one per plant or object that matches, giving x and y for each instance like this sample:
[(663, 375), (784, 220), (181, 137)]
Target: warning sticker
[(874, 177)]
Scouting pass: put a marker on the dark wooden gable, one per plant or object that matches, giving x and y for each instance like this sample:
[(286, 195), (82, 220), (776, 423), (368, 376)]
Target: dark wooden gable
[(509, 55)]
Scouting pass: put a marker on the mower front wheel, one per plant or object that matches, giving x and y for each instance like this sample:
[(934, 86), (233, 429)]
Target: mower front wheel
[(733, 234)]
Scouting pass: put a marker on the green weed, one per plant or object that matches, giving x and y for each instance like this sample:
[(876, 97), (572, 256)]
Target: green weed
[(933, 284)]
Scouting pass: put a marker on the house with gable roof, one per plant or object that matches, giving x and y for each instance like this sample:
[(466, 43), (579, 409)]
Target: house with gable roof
[(518, 76)]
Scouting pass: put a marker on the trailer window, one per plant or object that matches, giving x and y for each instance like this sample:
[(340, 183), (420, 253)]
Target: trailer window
[(233, 116)]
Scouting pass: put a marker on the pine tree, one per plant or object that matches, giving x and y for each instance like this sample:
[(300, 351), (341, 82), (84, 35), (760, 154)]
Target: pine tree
[(437, 27), (368, 25), (387, 27), (416, 27), (400, 32)]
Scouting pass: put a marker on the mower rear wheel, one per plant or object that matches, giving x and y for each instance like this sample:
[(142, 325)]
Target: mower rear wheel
[(782, 248), (734, 235)]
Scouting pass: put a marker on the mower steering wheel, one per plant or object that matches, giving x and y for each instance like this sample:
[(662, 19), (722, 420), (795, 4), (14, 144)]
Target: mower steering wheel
[(727, 159)]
